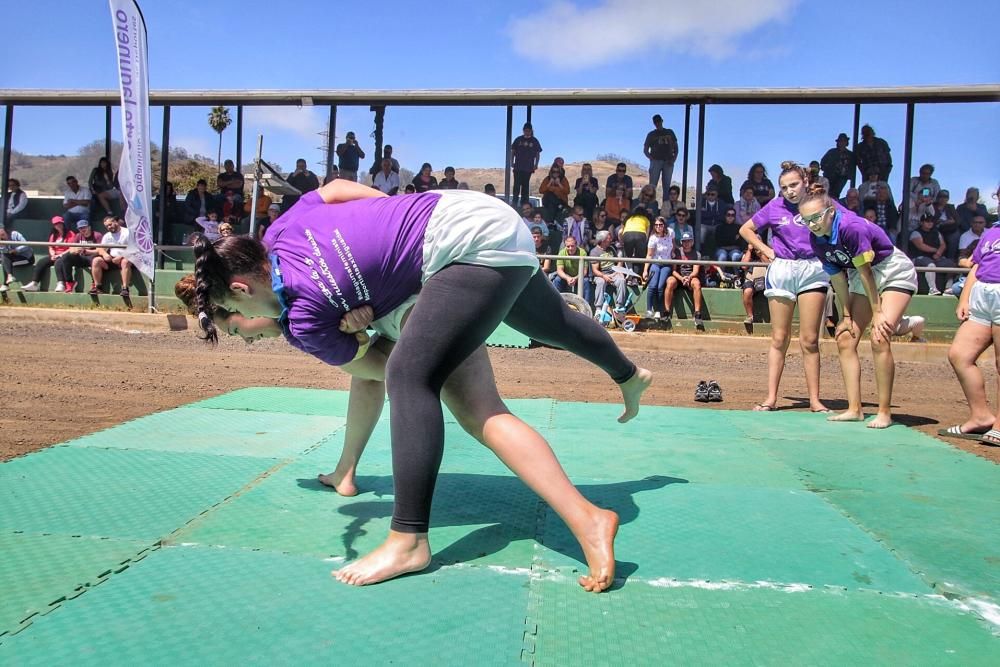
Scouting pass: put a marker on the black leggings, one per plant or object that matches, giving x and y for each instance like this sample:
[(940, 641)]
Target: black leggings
[(635, 247), (458, 308)]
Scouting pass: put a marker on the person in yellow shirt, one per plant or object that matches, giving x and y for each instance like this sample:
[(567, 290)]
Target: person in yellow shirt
[(635, 236)]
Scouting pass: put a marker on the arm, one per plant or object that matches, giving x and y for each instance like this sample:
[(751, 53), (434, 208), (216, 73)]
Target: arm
[(673, 146), (647, 147), (918, 241), (749, 233), (20, 205), (339, 191), (962, 310)]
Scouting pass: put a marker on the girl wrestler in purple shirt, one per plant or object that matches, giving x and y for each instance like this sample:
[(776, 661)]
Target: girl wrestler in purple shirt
[(873, 281), (347, 249), (979, 312)]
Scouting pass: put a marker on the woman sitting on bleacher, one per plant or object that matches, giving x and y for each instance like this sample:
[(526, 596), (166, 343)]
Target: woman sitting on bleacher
[(59, 234), (13, 254)]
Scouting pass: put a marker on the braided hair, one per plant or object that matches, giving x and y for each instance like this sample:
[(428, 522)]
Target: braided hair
[(215, 264)]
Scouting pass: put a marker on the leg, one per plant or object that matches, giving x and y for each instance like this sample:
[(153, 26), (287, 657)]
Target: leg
[(661, 282), (364, 408), (781, 310), (696, 290), (971, 340), (97, 269), (600, 289), (621, 290), (668, 175), (811, 309), (668, 296), (748, 302), (41, 269), (105, 201), (540, 313), (471, 394), (850, 364), (654, 293), (893, 306), (8, 268), (458, 308), (655, 171), (126, 269)]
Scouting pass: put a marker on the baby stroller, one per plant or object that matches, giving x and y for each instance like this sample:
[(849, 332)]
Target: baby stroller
[(626, 316)]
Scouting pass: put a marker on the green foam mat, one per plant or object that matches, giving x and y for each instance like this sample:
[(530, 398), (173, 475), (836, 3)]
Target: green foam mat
[(117, 493), (186, 605), (240, 433), (504, 336), (286, 400)]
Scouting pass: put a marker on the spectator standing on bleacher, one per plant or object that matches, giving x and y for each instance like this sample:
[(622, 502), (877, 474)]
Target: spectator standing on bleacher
[(231, 181), (838, 165), (635, 236), (13, 255), (76, 201), (661, 149), (77, 257), (59, 234), (199, 202), (873, 152), (17, 200), (102, 184), (111, 257), (524, 153), (302, 180), (763, 188), (349, 154)]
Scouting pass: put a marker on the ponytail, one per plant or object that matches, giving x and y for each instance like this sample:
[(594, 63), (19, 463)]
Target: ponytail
[(215, 265)]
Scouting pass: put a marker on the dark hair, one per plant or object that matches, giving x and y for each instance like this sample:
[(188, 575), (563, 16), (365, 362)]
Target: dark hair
[(754, 166), (16, 182), (215, 264), (620, 164), (789, 167), (201, 181), (927, 166), (426, 165), (682, 208), (70, 178), (674, 188)]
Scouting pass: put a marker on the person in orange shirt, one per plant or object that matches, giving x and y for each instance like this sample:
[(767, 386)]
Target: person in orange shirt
[(263, 203), (555, 193)]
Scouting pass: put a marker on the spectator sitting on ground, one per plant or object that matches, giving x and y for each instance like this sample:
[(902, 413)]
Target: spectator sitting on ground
[(927, 248), (617, 205), (586, 188), (721, 183), (924, 179), (77, 258), (947, 223), (199, 202), (387, 180), (729, 245), (604, 276), (747, 206), (620, 178), (302, 180), (449, 182), (59, 234), (852, 201), (672, 203), (576, 226), (763, 188), (230, 181), (13, 255), (424, 181), (685, 276), (838, 165), (76, 201), (273, 213), (554, 189), (349, 157), (647, 199), (660, 246), (102, 184), (542, 248), (871, 152), (111, 257), (869, 187), (886, 215), (754, 282), (682, 225), (818, 179), (969, 209), (567, 274), (17, 200), (490, 189)]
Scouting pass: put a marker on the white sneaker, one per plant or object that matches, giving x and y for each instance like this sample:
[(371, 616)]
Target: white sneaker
[(3, 289), (911, 324), (657, 315), (60, 287), (30, 287), (934, 291), (649, 314)]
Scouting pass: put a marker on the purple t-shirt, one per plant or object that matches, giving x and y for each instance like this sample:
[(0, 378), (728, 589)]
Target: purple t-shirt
[(986, 256), (335, 257), (789, 239), (853, 241)]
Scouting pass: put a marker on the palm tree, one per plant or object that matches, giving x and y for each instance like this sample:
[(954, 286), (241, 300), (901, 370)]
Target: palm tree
[(219, 120)]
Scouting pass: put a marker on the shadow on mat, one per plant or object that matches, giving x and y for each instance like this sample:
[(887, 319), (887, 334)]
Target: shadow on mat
[(838, 405), (512, 511)]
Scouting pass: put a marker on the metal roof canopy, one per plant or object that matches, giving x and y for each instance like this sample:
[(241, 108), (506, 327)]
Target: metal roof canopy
[(503, 97)]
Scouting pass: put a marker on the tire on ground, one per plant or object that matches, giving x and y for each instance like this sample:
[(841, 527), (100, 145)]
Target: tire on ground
[(577, 303)]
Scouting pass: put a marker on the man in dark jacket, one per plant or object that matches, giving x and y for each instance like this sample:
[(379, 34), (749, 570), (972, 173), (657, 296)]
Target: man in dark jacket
[(838, 165), (873, 152)]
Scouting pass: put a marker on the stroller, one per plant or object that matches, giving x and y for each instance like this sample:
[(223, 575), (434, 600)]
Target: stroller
[(625, 317)]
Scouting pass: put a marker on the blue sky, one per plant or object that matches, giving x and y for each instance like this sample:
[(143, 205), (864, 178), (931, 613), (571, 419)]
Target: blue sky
[(519, 44)]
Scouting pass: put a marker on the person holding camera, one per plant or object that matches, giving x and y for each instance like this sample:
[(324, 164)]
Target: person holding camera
[(349, 156), (555, 193), (586, 191)]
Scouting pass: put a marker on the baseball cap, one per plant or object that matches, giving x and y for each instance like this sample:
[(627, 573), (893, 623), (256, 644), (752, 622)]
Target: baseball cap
[(273, 207), (82, 223), (843, 135), (686, 236), (57, 218)]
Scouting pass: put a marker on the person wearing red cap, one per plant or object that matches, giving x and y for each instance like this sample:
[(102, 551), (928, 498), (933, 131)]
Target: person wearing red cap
[(59, 234)]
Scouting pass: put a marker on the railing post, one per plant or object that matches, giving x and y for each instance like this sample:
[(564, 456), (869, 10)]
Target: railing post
[(8, 133), (506, 152), (904, 217)]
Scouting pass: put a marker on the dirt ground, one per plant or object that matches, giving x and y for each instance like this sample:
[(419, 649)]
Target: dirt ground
[(62, 381)]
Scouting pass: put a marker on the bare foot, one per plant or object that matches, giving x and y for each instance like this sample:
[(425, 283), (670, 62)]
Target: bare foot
[(978, 428), (399, 554), (848, 416), (817, 406), (599, 549), (882, 420), (342, 483), (632, 390)]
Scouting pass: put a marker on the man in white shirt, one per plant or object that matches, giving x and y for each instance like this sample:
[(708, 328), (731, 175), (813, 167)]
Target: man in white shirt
[(386, 180), (111, 257), (76, 201), (968, 241)]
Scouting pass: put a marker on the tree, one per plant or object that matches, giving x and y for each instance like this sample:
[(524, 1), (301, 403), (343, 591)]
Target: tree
[(219, 120)]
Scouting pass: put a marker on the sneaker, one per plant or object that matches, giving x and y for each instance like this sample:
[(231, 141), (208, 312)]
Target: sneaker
[(714, 392), (657, 315), (60, 287), (649, 314), (3, 289), (934, 291), (94, 290), (124, 293), (31, 287), (910, 324), (701, 392), (71, 287), (748, 319), (698, 324)]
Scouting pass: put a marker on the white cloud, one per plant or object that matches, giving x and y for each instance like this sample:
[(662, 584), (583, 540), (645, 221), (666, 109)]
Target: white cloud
[(614, 30), (304, 122)]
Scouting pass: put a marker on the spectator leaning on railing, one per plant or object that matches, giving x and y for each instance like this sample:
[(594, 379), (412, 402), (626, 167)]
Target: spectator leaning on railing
[(13, 255)]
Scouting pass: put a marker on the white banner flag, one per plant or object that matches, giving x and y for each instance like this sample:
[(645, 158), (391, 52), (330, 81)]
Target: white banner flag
[(134, 168)]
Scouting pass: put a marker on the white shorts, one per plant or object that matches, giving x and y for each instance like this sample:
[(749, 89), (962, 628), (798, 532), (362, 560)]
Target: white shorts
[(984, 304), (895, 271), (787, 278), (474, 228), (391, 325)]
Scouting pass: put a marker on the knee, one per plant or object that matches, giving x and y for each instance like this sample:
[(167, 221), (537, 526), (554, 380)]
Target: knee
[(809, 344), (959, 358)]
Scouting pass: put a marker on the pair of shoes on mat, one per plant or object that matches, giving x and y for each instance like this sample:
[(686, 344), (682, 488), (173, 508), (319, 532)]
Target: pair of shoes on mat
[(707, 392)]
